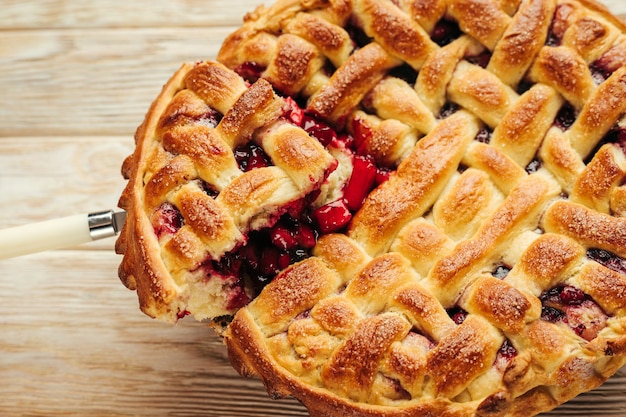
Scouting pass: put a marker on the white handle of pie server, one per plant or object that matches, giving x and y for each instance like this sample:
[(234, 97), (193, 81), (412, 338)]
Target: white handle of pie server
[(58, 233)]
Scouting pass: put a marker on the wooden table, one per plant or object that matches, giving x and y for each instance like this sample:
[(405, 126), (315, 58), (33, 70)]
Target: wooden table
[(76, 79)]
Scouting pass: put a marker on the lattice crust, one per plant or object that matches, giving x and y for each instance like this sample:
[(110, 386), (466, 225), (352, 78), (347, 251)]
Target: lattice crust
[(484, 277), (189, 202)]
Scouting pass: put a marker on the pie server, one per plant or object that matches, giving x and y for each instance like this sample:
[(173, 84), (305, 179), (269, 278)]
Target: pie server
[(60, 233)]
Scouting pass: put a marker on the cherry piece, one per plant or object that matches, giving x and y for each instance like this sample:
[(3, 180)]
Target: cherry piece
[(269, 263), (362, 136), (238, 298), (321, 131), (333, 216), (250, 156), (282, 237), (305, 236), (182, 314), (361, 182), (445, 31), (250, 71), (505, 354), (507, 350), (482, 59), (571, 296), (570, 305), (294, 113), (166, 220)]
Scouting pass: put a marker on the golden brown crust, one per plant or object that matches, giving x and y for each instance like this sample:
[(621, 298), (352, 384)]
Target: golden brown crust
[(407, 195), (184, 147), (481, 278), (482, 19), (591, 228), (349, 84), (395, 31), (522, 41), (425, 242)]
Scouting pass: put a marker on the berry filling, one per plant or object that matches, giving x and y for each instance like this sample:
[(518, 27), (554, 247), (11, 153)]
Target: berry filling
[(505, 354), (321, 131), (447, 110), (266, 252), (566, 117), (445, 31), (607, 64), (250, 71), (361, 182), (167, 220), (457, 314), (608, 259), (483, 136), (333, 216), (250, 156), (569, 305), (482, 59), (293, 233)]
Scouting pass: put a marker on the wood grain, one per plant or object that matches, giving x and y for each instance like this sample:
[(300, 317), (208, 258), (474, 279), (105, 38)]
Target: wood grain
[(76, 79), (75, 343)]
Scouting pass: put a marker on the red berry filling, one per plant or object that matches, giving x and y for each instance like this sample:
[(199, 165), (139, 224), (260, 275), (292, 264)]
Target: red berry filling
[(294, 231), (570, 305), (608, 259), (333, 216), (482, 59), (166, 220), (361, 182), (250, 156), (267, 252), (250, 71), (445, 31), (319, 130), (457, 314), (505, 354)]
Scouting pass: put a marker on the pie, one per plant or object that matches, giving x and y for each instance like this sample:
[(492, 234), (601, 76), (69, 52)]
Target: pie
[(395, 208)]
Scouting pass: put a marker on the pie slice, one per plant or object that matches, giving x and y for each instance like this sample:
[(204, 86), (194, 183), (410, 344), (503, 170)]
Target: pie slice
[(451, 238), (216, 161)]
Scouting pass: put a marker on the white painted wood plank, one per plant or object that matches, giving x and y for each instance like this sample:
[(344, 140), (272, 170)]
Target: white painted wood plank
[(91, 82), (38, 14)]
